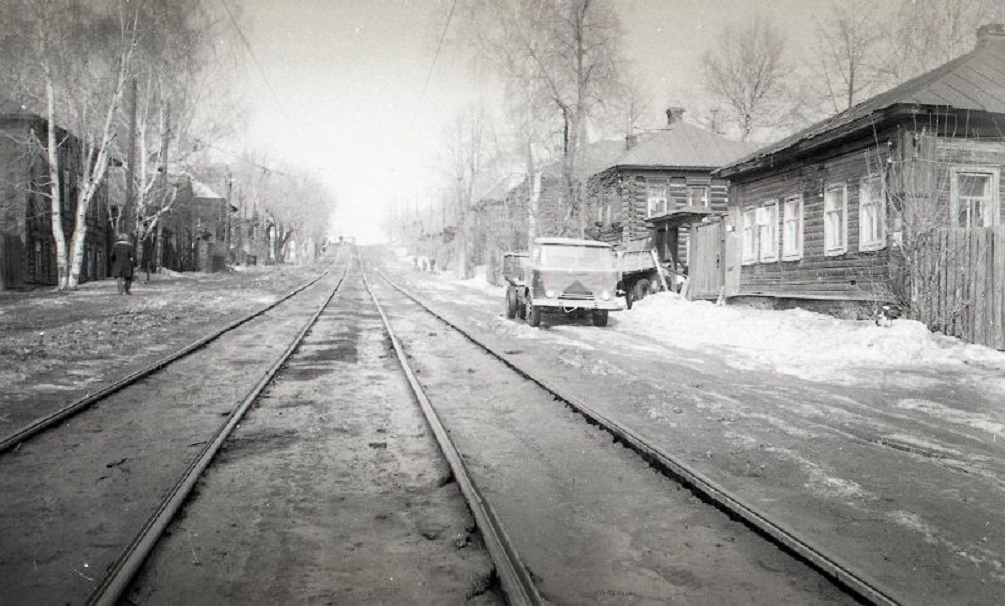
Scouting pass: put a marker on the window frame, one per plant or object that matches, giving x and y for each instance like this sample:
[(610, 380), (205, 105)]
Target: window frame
[(840, 247), (650, 198), (767, 231), (878, 207), (748, 236), (794, 252), (993, 215), (705, 200)]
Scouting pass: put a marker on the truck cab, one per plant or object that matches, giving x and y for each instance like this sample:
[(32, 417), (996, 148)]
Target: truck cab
[(570, 276)]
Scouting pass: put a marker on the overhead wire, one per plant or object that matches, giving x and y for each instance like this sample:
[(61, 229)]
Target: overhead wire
[(432, 65), (261, 71)]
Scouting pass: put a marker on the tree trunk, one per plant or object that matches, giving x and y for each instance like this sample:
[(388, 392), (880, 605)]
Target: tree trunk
[(55, 187)]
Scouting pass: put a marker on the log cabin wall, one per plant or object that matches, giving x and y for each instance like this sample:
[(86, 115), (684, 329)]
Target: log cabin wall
[(852, 275)]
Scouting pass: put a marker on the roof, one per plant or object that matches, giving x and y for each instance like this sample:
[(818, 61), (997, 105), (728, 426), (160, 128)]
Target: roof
[(975, 82), (201, 190), (683, 145), (504, 186), (572, 242), (681, 215), (595, 157)]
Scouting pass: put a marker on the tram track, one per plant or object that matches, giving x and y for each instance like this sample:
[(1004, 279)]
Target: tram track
[(158, 446), (16, 438), (842, 575)]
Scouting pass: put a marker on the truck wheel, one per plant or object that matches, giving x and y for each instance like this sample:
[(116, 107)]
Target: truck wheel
[(533, 315), (520, 306), (629, 299), (510, 303), (640, 290), (600, 317)]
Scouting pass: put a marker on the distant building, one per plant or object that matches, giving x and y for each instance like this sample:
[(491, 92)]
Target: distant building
[(27, 246)]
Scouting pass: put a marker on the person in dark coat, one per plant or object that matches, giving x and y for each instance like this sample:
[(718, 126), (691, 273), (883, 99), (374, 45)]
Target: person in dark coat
[(123, 260)]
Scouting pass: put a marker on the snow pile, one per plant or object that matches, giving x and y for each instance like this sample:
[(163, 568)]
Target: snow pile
[(796, 341)]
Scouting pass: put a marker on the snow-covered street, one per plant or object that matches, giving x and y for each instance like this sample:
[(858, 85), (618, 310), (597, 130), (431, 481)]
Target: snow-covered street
[(880, 443)]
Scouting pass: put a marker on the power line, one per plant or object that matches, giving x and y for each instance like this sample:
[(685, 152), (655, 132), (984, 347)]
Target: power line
[(261, 71), (429, 75)]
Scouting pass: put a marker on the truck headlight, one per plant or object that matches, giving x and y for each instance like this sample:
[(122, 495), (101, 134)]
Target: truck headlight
[(550, 294), (606, 296)]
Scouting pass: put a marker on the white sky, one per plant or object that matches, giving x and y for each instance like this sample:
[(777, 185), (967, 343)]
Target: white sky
[(349, 74)]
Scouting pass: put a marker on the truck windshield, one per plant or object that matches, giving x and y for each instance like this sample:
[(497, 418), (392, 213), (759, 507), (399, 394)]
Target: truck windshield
[(577, 257)]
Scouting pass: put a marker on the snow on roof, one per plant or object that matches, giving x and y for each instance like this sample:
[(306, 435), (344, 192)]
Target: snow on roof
[(572, 242), (201, 190), (683, 145)]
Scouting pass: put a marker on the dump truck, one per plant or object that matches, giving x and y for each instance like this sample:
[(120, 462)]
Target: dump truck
[(570, 276)]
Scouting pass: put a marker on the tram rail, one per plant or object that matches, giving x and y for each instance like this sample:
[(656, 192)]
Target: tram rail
[(844, 576)]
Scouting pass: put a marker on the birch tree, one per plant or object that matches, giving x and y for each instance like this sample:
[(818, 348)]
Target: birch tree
[(565, 55)]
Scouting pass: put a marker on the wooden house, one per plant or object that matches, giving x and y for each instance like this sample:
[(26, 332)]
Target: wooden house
[(855, 208), (659, 180), (27, 246)]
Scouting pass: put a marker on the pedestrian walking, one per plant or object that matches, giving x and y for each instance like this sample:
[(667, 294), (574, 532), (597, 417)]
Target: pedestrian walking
[(123, 260)]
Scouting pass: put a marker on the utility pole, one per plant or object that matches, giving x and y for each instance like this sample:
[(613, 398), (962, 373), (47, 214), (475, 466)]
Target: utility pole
[(226, 215)]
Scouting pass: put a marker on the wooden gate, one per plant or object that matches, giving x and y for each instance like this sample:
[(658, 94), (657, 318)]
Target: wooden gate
[(705, 260), (960, 285)]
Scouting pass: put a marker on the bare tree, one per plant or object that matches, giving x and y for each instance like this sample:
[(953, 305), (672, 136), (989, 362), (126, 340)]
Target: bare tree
[(846, 65), (471, 149), (565, 55), (928, 33), (746, 72)]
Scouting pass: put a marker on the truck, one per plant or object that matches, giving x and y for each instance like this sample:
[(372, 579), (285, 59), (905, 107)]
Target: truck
[(641, 272), (570, 276)]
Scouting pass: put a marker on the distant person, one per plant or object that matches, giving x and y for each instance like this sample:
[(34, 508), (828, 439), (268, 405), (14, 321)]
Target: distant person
[(123, 260)]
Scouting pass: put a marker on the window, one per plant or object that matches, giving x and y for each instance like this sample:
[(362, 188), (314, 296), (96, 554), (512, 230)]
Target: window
[(974, 194), (835, 219), (749, 244), (657, 198), (604, 213), (767, 231), (697, 195), (792, 229), (871, 213)]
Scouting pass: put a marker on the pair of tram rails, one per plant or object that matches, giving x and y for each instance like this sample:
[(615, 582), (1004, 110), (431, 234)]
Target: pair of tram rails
[(514, 577)]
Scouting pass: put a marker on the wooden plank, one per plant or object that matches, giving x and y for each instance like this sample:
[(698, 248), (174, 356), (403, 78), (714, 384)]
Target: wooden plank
[(998, 286), (979, 282)]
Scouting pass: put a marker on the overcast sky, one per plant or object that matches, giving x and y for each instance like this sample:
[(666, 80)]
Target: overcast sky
[(349, 76)]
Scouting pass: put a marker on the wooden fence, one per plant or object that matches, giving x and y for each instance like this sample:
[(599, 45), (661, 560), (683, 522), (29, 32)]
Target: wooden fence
[(960, 284)]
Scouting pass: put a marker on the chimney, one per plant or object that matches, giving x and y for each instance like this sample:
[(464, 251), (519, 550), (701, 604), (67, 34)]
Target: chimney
[(675, 114), (991, 32)]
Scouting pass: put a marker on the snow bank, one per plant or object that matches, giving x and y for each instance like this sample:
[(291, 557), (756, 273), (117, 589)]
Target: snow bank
[(797, 340)]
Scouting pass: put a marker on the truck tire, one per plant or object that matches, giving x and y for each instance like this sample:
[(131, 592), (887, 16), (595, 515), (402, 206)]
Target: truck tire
[(640, 290), (533, 315), (600, 317), (629, 299), (521, 306), (510, 303)]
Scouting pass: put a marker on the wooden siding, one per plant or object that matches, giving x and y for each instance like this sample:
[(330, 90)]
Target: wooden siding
[(853, 275)]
